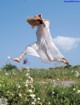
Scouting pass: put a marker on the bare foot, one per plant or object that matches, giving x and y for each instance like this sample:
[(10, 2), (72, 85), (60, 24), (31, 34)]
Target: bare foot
[(15, 59), (64, 61)]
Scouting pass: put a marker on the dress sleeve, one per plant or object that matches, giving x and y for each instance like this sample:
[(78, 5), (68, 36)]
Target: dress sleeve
[(47, 23)]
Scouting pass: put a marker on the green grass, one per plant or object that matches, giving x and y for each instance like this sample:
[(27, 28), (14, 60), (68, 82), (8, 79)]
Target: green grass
[(19, 86), (63, 73)]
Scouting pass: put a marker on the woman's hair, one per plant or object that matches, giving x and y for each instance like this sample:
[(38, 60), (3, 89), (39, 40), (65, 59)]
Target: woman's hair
[(40, 21)]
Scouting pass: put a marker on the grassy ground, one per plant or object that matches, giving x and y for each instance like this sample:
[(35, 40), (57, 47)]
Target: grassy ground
[(53, 86), (62, 73)]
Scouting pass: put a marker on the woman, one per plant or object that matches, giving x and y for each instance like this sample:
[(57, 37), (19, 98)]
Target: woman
[(44, 47)]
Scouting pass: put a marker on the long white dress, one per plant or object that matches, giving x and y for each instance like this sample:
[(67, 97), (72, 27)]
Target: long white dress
[(44, 47)]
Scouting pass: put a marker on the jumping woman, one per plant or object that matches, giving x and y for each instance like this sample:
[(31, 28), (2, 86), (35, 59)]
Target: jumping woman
[(44, 47)]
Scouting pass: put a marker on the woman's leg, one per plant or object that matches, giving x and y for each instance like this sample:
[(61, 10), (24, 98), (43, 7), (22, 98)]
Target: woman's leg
[(28, 50), (63, 60), (18, 59)]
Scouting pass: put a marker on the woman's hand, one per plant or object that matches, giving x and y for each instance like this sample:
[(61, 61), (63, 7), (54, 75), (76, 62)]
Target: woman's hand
[(40, 16), (42, 19)]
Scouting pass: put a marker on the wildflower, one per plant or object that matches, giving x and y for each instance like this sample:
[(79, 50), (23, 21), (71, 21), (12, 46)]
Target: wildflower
[(32, 96), (27, 74), (32, 86), (13, 73), (6, 73), (18, 86), (77, 74), (53, 80), (78, 91), (35, 100), (31, 79), (20, 94), (12, 94), (49, 103), (58, 79), (74, 89), (30, 91), (33, 103), (53, 92), (72, 71), (26, 85), (27, 82), (38, 99)]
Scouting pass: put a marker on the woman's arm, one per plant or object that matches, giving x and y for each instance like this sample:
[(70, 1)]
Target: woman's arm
[(42, 19)]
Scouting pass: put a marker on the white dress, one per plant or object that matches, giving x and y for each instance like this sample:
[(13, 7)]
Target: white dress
[(44, 47)]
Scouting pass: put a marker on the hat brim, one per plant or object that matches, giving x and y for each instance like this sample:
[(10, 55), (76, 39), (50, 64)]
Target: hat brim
[(32, 22)]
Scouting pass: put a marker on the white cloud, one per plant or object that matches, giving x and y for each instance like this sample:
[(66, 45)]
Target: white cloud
[(66, 43)]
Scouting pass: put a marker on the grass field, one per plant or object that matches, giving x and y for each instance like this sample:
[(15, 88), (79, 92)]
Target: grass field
[(52, 86)]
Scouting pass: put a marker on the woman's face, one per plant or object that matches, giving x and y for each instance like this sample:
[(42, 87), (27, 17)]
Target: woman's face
[(37, 22)]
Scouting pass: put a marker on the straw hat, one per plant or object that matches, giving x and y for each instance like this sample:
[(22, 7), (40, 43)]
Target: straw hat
[(31, 21)]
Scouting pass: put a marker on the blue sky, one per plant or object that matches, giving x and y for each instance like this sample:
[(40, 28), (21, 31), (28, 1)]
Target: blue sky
[(16, 33)]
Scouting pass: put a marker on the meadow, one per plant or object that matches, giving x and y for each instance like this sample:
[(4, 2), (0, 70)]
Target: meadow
[(52, 86)]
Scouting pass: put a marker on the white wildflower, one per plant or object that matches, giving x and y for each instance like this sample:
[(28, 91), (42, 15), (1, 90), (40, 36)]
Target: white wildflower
[(12, 94), (77, 74), (27, 74), (13, 73), (53, 92), (35, 100), (58, 79), (78, 91), (26, 85), (32, 86), (53, 80), (38, 99), (30, 91), (33, 103), (72, 71), (74, 89), (32, 96), (31, 79), (27, 82), (6, 73), (18, 86), (49, 103), (20, 94)]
